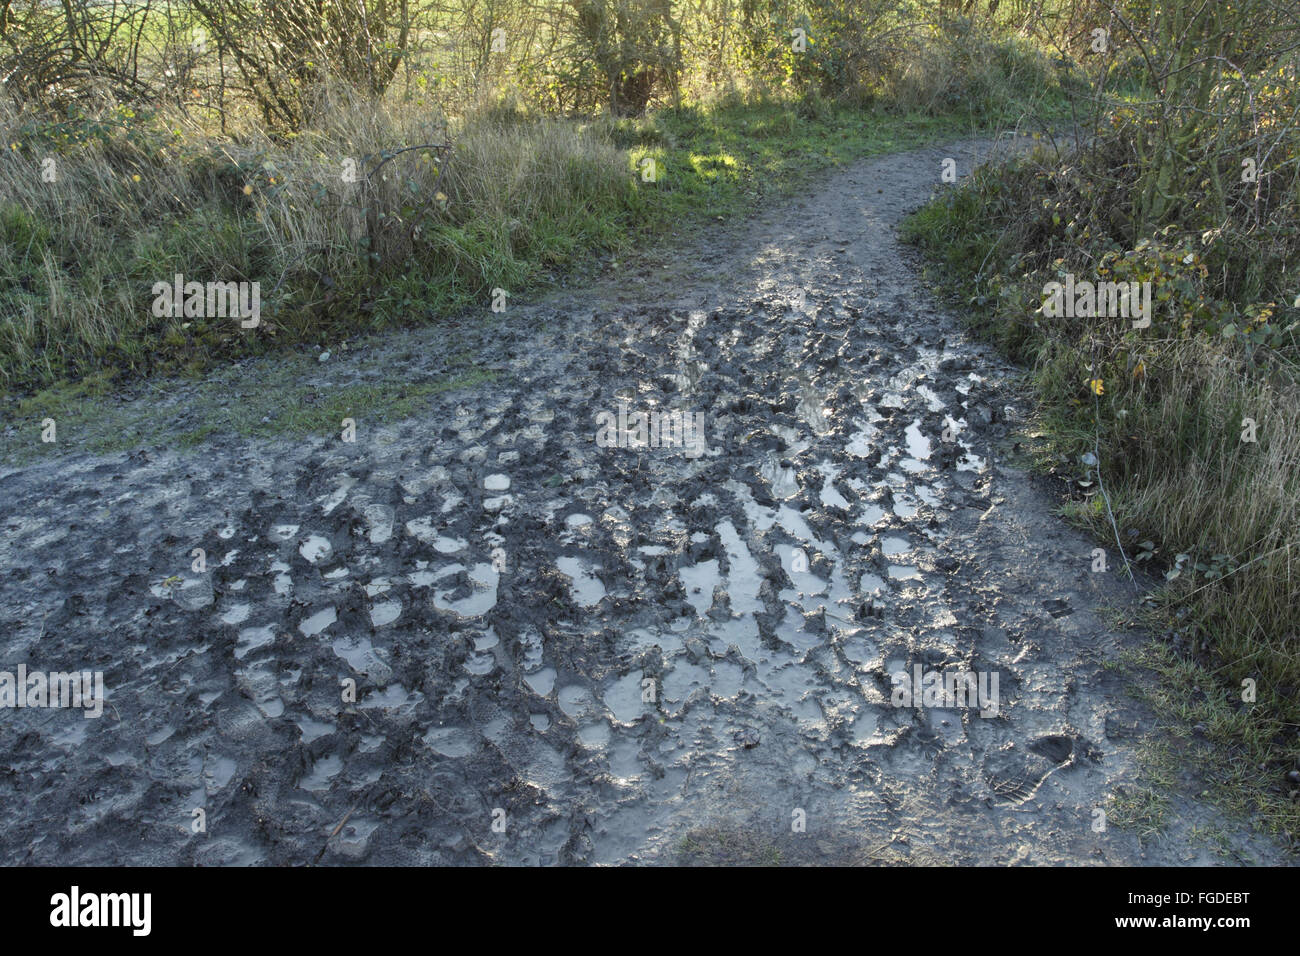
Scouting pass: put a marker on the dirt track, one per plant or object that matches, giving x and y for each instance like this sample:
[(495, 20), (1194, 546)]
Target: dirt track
[(501, 588)]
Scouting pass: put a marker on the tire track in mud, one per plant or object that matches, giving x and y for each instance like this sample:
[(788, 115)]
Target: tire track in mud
[(617, 651)]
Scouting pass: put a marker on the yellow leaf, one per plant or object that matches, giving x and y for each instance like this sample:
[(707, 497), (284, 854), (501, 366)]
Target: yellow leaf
[(1095, 385)]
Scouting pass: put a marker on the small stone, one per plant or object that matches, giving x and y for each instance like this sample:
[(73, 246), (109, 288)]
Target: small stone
[(324, 356)]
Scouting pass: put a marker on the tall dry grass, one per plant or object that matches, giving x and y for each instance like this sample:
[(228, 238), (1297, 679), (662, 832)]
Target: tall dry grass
[(341, 225)]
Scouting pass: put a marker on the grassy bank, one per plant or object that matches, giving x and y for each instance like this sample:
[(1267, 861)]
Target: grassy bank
[(1177, 443)]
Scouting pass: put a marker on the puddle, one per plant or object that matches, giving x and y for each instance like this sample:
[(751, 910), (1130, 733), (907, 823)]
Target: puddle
[(385, 613), (359, 653), (313, 729), (322, 772), (699, 581), (871, 584), (314, 548), (483, 595), (235, 614), (744, 576), (449, 741), (892, 545), (624, 698), (380, 521), (781, 480), (574, 700), (311, 626), (542, 682), (587, 589)]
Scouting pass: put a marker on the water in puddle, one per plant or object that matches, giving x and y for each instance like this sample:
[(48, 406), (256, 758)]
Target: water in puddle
[(283, 583), (380, 520), (483, 595), (541, 682), (624, 763), (727, 679), (860, 442), (359, 653), (449, 741), (744, 576), (871, 514), (235, 614), (699, 581), (335, 498), (314, 548), (871, 584), (905, 506), (594, 736), (587, 588), (781, 481), (918, 446), (312, 729), (829, 494), (892, 545), (385, 613), (681, 680), (574, 700), (932, 401), (530, 642), (624, 698), (391, 697), (311, 626), (865, 727)]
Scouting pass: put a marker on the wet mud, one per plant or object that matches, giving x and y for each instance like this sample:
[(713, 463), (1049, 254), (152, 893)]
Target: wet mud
[(565, 651)]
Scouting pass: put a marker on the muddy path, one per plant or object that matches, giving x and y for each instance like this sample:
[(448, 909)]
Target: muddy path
[(569, 653)]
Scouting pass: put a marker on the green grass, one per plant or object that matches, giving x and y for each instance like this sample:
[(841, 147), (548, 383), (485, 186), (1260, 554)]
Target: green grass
[(272, 399), (1189, 498)]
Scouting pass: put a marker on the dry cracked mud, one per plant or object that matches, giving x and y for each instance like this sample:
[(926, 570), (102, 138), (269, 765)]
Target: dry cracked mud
[(613, 654)]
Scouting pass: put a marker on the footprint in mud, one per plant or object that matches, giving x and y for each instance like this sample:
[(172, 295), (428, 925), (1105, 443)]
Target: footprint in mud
[(1016, 777)]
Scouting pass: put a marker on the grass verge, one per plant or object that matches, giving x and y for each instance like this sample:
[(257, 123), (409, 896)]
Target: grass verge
[(1177, 442)]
